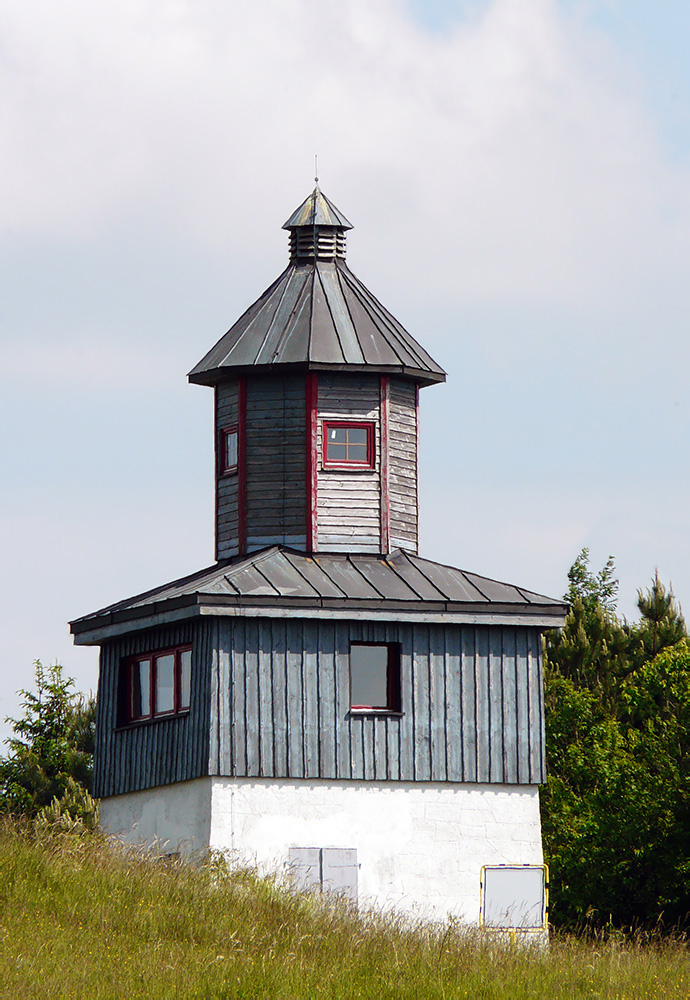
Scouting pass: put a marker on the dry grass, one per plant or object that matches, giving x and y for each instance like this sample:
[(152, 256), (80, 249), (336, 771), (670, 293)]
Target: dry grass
[(80, 919)]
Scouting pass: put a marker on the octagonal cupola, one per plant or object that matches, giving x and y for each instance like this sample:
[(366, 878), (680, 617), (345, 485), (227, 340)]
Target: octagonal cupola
[(316, 414), (317, 230)]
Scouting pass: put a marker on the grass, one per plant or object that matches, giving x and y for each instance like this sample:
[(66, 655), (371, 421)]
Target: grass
[(79, 918)]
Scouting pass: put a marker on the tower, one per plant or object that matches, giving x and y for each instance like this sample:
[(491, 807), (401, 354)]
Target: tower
[(322, 697), (316, 402)]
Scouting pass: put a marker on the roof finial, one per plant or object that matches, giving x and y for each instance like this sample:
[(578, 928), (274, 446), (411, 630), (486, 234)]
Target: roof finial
[(316, 168)]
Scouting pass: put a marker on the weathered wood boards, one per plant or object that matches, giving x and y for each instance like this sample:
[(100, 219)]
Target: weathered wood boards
[(276, 462), (266, 500), (270, 698), (227, 510), (348, 500), (163, 750), (402, 461)]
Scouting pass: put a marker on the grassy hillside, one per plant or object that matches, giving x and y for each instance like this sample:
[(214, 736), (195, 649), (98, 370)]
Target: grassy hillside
[(79, 919)]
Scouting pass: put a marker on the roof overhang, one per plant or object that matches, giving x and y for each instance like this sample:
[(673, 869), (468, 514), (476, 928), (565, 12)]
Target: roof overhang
[(214, 376), (109, 625)]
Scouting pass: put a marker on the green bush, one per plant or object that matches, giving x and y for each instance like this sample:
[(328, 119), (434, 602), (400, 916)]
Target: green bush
[(616, 806)]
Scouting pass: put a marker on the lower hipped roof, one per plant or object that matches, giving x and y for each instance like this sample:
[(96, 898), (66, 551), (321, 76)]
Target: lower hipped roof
[(281, 582)]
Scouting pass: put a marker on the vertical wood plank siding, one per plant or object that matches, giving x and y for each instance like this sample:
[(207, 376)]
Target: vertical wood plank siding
[(275, 433), (349, 501), (402, 465), (226, 485), (163, 750), (471, 696)]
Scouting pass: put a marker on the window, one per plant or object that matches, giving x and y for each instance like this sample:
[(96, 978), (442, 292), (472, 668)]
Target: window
[(229, 439), (157, 684), (348, 444), (375, 677)]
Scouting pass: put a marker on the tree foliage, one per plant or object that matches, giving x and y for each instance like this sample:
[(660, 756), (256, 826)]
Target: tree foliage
[(75, 812), (52, 744), (661, 623), (595, 590), (616, 807)]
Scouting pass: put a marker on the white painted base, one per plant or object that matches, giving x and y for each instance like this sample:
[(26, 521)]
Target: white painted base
[(178, 817), (420, 846)]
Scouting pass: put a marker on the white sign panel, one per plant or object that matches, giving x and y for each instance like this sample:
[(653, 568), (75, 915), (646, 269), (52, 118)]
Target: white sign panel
[(514, 897)]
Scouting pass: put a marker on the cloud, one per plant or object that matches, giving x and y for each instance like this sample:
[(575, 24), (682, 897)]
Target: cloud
[(509, 158)]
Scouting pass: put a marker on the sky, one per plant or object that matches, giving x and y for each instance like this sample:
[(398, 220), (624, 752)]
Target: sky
[(518, 176)]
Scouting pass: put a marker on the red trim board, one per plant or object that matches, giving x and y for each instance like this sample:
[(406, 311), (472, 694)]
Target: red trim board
[(385, 503)]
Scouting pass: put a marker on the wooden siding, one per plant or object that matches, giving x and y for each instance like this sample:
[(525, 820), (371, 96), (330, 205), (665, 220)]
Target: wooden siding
[(348, 514), (226, 485), (164, 750), (276, 462), (471, 696), (348, 501), (402, 465)]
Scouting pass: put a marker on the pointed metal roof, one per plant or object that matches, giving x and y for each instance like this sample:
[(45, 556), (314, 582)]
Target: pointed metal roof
[(317, 210), (283, 582), (317, 315)]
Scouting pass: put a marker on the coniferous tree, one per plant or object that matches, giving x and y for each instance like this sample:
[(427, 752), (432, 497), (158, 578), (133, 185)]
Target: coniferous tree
[(592, 647), (661, 624), (52, 743)]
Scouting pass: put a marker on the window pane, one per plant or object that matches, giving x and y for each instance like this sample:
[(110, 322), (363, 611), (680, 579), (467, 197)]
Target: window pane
[(230, 458), (338, 434), (185, 677), (165, 683), (369, 676), (336, 452), (357, 452), (357, 435), (140, 706)]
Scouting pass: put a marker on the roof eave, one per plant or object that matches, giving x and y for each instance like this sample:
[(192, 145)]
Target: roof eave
[(93, 630), (214, 376)]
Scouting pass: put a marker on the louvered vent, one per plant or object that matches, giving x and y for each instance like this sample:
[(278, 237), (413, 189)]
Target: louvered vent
[(317, 242)]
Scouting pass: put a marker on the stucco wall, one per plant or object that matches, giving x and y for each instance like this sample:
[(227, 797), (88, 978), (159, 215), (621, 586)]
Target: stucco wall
[(420, 847), (178, 816)]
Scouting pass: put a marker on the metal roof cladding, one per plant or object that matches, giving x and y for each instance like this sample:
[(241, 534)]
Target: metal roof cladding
[(399, 585), (317, 315), (317, 210)]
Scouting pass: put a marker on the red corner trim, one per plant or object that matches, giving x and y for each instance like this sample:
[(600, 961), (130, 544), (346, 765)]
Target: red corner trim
[(416, 461), (216, 459), (312, 397), (242, 465), (385, 502)]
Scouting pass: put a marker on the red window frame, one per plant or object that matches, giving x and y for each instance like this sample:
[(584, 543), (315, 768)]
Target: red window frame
[(344, 463), (179, 707), (223, 468), (393, 704)]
